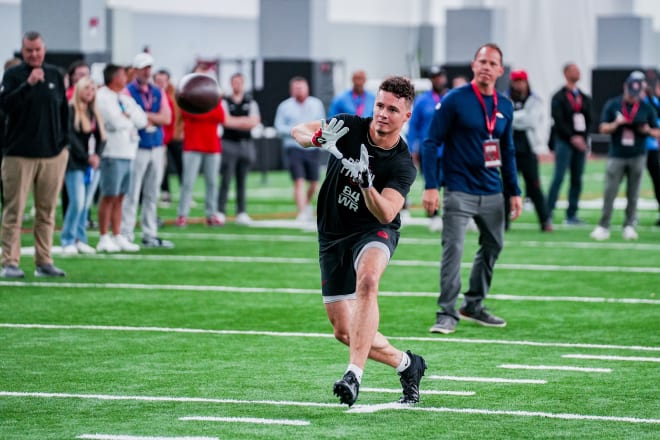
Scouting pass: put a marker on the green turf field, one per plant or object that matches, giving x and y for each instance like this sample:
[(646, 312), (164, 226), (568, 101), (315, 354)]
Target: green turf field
[(225, 337)]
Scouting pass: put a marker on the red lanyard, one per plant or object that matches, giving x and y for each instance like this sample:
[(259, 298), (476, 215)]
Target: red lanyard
[(576, 103), (629, 116), (145, 95), (490, 122), (358, 101)]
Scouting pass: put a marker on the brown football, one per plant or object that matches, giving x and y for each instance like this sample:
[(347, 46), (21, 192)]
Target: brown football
[(197, 93)]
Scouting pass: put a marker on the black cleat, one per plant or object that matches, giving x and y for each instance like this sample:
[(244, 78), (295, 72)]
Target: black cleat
[(411, 377), (347, 388)]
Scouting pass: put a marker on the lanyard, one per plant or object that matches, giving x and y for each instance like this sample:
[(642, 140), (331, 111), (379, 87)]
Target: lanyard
[(629, 116), (145, 95), (358, 101), (576, 103), (490, 122), (121, 105)]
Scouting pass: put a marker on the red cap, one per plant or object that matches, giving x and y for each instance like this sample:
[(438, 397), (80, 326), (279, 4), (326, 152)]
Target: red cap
[(517, 75)]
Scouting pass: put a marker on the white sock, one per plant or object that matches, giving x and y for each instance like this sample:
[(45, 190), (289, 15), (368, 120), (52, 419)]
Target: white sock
[(356, 370), (405, 362)]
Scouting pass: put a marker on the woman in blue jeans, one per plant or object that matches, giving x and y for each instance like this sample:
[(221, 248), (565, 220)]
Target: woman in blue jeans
[(86, 140)]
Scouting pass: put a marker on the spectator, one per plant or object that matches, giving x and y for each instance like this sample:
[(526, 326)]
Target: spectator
[(122, 118), (652, 153), (571, 116), (303, 164), (201, 147), (9, 63), (149, 164), (474, 123), (422, 114), (86, 141), (356, 100), (527, 121), (33, 98), (172, 136), (459, 80), (238, 149), (77, 70), (629, 121)]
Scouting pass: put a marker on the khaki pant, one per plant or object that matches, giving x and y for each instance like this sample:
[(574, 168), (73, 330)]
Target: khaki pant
[(19, 174)]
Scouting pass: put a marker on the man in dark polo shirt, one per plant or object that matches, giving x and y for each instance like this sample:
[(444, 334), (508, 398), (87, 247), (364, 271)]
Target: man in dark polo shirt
[(629, 120), (32, 96)]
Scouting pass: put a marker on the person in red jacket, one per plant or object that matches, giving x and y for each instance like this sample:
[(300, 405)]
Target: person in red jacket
[(201, 147)]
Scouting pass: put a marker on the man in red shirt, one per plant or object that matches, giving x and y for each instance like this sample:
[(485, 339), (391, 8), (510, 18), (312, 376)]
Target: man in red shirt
[(201, 147)]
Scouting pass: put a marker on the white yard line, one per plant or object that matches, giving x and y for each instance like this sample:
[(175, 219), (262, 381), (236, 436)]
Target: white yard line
[(252, 420), (432, 240), (362, 409), (237, 289), (422, 392), (323, 335), (611, 358), (489, 379), (138, 437), (355, 409), (405, 263), (554, 367), (168, 399)]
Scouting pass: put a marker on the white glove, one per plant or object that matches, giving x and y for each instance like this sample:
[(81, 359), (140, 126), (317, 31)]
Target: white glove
[(359, 170), (327, 136)]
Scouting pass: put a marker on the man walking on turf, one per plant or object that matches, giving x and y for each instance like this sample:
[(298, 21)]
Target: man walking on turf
[(474, 122), (369, 174)]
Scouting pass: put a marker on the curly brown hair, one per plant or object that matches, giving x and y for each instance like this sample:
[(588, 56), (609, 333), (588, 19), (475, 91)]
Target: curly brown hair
[(399, 86)]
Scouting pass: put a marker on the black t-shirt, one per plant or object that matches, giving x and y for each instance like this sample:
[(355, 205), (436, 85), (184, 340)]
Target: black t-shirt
[(644, 115), (341, 208)]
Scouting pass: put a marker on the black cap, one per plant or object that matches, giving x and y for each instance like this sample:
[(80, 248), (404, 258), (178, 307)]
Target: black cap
[(436, 71), (635, 83)]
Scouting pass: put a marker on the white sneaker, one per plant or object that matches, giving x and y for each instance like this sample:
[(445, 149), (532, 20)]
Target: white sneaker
[(125, 245), (472, 226), (601, 233), (435, 225), (222, 218), (107, 244), (84, 248), (243, 219), (629, 233), (306, 215), (70, 249)]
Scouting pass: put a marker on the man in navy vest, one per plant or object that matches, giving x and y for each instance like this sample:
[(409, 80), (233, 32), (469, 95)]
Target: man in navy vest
[(149, 163)]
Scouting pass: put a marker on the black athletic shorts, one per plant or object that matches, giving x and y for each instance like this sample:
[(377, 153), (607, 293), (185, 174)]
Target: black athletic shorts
[(338, 257), (304, 163)]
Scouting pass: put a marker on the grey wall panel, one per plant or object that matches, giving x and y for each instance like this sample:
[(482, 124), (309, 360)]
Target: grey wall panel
[(176, 41), (10, 31), (466, 30), (623, 40), (380, 50), (58, 21), (285, 29)]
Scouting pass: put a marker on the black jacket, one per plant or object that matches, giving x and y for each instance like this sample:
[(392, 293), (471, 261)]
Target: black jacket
[(562, 115), (37, 116), (79, 143)]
